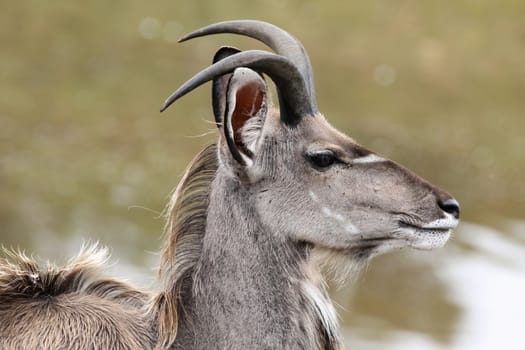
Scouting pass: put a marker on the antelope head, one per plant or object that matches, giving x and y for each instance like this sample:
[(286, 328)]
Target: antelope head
[(307, 181)]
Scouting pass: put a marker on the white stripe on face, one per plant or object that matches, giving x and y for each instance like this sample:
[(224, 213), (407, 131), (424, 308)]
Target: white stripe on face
[(370, 158)]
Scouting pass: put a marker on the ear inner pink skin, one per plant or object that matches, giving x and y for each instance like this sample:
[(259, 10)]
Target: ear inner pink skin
[(249, 100)]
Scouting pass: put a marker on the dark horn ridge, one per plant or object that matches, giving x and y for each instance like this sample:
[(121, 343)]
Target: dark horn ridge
[(279, 40), (294, 100)]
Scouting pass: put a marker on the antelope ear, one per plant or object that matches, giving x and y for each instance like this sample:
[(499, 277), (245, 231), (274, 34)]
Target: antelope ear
[(218, 91), (245, 113)]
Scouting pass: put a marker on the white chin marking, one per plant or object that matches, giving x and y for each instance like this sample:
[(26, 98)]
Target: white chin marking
[(371, 158), (426, 240)]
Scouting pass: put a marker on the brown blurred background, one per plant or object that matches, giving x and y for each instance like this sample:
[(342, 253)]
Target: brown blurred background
[(438, 87)]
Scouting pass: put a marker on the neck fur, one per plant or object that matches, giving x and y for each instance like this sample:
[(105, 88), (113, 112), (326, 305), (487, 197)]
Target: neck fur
[(248, 288)]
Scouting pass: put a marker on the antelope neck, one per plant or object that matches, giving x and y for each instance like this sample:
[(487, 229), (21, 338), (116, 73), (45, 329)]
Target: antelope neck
[(249, 285)]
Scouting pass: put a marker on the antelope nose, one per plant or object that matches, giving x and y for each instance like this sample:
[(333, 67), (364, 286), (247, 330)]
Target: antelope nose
[(450, 206)]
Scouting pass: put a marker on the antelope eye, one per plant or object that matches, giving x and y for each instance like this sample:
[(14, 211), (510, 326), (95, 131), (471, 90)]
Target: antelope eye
[(322, 159)]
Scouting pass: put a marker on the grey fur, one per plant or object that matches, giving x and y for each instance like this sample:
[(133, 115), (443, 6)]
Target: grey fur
[(45, 307), (248, 228)]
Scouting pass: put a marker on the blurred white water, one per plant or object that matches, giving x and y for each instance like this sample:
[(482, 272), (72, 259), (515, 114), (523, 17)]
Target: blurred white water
[(487, 281)]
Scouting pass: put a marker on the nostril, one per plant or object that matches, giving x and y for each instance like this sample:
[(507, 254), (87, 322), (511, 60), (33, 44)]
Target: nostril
[(450, 206)]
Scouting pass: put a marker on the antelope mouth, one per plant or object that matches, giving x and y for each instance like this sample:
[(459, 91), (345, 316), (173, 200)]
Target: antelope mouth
[(427, 236), (422, 228), (424, 236)]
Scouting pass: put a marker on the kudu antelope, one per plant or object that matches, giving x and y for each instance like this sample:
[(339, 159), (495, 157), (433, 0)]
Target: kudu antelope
[(253, 217)]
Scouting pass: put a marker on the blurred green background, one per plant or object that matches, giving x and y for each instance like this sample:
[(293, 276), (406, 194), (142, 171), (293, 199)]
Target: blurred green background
[(85, 154)]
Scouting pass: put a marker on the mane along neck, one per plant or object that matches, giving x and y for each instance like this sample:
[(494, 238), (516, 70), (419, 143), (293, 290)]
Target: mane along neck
[(185, 226)]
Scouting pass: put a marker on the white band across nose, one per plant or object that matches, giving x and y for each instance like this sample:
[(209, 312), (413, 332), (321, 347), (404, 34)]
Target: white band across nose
[(448, 222)]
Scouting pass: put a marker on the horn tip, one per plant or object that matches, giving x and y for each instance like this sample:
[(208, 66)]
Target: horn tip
[(186, 37), (164, 106), (169, 101)]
